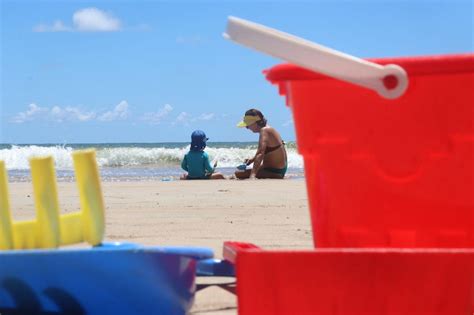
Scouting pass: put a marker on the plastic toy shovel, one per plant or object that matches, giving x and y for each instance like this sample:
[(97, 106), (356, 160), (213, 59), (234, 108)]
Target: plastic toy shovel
[(389, 81)]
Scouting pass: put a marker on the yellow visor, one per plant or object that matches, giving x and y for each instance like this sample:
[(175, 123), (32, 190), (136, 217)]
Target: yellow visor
[(248, 120)]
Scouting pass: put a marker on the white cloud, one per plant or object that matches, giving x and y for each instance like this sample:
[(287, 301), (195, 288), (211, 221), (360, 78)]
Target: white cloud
[(157, 117), (182, 118), (57, 26), (95, 20), (69, 113), (206, 116), (185, 118), (84, 20), (119, 112), (288, 123), (30, 114)]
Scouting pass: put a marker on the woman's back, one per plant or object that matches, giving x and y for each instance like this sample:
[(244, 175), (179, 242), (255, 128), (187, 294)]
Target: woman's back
[(275, 153)]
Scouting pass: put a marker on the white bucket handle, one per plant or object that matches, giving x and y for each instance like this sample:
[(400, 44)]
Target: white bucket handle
[(389, 81)]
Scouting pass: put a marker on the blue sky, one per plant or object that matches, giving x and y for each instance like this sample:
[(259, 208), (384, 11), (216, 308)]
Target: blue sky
[(154, 71)]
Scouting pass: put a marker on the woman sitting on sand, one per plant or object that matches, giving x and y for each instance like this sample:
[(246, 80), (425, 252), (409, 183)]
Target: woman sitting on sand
[(270, 161), (196, 161)]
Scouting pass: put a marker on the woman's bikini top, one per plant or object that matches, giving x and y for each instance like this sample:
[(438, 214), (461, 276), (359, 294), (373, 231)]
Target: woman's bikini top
[(271, 149)]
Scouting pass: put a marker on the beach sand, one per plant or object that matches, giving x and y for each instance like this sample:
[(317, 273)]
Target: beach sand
[(269, 213)]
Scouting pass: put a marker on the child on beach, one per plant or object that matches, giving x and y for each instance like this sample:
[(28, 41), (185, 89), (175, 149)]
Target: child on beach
[(196, 161)]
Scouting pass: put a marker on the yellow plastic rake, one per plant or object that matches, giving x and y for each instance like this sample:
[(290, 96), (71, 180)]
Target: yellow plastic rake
[(50, 229)]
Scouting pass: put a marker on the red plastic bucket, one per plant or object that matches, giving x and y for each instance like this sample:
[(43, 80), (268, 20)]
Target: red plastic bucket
[(356, 282), (388, 173)]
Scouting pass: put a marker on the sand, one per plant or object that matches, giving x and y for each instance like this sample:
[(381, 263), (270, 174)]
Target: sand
[(269, 213)]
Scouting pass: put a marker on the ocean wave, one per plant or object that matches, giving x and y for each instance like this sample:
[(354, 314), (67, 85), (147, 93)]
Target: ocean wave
[(17, 157), (111, 156)]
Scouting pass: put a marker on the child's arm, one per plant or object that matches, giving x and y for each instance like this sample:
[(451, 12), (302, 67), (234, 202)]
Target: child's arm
[(207, 164), (258, 159), (184, 164)]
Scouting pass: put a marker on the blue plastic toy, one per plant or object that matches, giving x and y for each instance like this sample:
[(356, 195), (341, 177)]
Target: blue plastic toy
[(242, 167)]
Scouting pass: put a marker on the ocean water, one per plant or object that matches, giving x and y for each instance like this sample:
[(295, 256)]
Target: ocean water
[(135, 161)]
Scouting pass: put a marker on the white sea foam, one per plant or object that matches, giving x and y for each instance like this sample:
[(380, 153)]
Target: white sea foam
[(111, 156), (16, 157)]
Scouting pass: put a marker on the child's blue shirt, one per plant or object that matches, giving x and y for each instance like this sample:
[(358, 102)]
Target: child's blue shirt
[(197, 164)]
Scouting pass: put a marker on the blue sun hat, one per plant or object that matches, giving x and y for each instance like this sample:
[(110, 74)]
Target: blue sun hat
[(198, 140)]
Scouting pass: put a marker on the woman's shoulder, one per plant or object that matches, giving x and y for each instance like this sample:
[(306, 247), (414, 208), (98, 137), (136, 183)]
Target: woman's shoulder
[(269, 130)]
